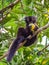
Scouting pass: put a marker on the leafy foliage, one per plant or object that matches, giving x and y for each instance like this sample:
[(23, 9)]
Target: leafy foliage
[(15, 19)]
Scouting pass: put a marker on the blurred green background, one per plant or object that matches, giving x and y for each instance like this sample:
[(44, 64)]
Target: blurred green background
[(9, 27)]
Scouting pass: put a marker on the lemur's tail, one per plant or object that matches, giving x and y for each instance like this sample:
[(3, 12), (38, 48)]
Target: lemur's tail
[(15, 45)]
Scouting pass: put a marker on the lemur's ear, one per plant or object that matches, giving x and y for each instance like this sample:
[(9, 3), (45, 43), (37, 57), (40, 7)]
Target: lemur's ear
[(27, 20), (33, 18)]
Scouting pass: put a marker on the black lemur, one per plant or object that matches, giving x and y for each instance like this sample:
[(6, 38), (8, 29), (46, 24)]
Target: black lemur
[(31, 27)]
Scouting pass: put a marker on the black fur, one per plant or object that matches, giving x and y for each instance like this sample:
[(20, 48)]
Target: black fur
[(22, 34)]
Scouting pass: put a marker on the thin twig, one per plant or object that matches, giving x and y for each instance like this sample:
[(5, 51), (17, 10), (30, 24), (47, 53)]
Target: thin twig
[(44, 47), (40, 52), (9, 6), (23, 7), (4, 55), (4, 16)]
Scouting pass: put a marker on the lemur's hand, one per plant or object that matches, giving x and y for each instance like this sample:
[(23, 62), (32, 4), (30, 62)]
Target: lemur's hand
[(32, 26)]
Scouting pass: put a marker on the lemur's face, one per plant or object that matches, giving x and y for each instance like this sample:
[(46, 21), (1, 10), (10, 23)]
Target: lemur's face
[(31, 21)]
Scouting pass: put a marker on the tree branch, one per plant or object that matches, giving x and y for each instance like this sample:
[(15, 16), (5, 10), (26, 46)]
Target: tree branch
[(9, 6), (38, 31), (44, 48), (40, 52), (23, 7), (41, 29), (4, 16)]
